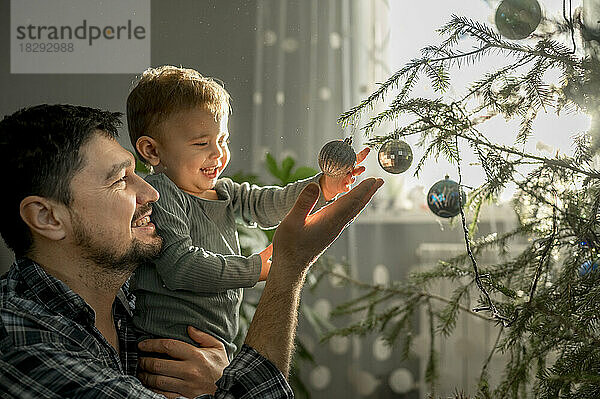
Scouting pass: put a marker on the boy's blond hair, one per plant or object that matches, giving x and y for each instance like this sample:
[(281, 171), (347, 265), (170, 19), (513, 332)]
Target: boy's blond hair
[(166, 90)]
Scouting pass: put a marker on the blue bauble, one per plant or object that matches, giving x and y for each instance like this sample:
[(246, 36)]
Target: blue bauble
[(444, 197), (587, 267)]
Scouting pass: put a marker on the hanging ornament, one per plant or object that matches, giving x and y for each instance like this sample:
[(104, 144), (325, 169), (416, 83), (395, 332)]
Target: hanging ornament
[(587, 267), (395, 156), (517, 19), (337, 157), (443, 198)]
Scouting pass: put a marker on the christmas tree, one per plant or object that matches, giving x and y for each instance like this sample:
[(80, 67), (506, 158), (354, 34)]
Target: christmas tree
[(544, 301)]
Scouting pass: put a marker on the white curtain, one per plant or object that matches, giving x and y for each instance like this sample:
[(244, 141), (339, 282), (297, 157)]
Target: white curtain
[(314, 60)]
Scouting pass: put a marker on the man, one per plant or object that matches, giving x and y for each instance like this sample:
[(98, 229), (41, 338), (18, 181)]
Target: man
[(77, 218)]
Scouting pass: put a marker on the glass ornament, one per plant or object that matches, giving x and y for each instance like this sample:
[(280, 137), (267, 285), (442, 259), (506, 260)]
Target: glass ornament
[(395, 156), (517, 19), (337, 157), (587, 267), (443, 198)]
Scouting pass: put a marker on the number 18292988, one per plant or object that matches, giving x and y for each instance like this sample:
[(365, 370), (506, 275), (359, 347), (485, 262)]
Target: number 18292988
[(47, 47)]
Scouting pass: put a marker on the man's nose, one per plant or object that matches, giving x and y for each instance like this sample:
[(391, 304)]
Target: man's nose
[(146, 193)]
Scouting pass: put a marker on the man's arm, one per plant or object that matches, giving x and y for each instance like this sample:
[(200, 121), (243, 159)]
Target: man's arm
[(298, 242), (47, 371), (55, 371), (249, 375)]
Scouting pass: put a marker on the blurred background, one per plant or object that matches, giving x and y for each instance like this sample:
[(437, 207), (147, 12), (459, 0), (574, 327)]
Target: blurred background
[(292, 67)]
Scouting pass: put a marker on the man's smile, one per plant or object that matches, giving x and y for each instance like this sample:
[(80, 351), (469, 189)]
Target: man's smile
[(141, 218), (141, 222)]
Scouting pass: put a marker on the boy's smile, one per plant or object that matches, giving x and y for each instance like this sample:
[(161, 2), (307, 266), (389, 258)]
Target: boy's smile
[(193, 150)]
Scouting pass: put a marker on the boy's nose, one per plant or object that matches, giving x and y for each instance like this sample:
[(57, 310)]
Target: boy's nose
[(217, 151)]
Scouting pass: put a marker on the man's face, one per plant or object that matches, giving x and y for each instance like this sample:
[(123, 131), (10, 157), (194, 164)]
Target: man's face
[(110, 212), (194, 149)]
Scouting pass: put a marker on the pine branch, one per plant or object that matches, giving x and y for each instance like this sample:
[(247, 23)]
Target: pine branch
[(565, 163), (544, 257), (486, 364), (414, 294), (431, 373)]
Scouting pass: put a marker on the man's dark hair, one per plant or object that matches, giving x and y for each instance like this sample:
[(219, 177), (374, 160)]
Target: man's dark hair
[(40, 148)]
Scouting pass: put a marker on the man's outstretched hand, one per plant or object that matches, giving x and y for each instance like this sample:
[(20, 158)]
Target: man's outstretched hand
[(298, 242), (302, 237)]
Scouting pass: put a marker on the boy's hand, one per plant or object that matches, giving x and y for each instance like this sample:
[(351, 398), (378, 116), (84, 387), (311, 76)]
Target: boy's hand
[(332, 186), (193, 373), (265, 257)]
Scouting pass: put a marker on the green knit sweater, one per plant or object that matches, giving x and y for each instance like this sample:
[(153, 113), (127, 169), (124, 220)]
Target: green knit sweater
[(198, 278)]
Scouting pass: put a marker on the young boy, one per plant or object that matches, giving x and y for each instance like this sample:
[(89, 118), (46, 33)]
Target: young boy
[(178, 124)]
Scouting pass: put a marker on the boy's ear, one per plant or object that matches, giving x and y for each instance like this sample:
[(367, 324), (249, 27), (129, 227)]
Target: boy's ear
[(148, 148), (43, 217)]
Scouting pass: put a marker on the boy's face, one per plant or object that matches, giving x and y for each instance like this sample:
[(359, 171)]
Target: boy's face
[(193, 149)]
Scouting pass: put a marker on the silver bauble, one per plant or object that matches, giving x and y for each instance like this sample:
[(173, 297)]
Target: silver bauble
[(395, 156), (517, 19), (337, 157)]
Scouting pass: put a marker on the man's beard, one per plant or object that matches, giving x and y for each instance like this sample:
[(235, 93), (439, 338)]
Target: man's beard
[(105, 256)]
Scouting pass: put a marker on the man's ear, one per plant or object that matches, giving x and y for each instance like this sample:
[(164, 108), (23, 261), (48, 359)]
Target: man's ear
[(43, 217), (148, 148)]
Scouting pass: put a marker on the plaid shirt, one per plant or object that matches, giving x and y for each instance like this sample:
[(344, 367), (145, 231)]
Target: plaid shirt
[(50, 347)]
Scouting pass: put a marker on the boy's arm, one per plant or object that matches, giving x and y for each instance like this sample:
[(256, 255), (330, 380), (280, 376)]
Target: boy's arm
[(267, 205), (181, 264)]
